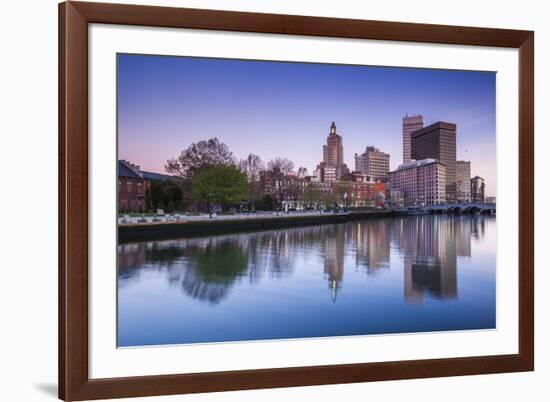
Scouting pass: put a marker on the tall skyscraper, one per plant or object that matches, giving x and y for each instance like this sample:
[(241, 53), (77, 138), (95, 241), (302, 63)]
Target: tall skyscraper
[(374, 163), (438, 141), (463, 187), (333, 153), (478, 189), (410, 124)]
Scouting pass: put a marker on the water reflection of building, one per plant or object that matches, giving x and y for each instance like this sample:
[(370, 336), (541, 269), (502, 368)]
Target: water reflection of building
[(372, 244), (333, 252), (478, 227), (131, 255), (463, 236), (432, 267), (206, 269)]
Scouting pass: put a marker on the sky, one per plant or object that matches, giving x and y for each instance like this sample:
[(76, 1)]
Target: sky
[(281, 109)]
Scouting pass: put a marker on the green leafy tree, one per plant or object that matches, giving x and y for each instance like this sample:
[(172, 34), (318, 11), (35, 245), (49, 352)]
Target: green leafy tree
[(267, 203), (165, 195), (222, 185)]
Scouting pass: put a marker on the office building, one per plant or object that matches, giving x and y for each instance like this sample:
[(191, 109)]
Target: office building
[(422, 182), (463, 185), (410, 124), (438, 141), (373, 162), (478, 189)]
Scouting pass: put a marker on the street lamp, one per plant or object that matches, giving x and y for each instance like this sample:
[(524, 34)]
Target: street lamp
[(208, 202)]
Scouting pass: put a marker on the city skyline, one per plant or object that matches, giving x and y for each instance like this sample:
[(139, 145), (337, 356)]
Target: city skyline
[(166, 103)]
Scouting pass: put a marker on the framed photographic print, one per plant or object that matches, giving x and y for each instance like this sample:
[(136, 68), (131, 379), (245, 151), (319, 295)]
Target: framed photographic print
[(259, 200)]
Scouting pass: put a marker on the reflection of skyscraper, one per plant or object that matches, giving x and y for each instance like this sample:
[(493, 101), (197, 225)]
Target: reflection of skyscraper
[(334, 247), (463, 235), (432, 266), (478, 227), (372, 244)]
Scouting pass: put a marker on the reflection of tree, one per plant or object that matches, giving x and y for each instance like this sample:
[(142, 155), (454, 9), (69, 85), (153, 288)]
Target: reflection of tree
[(220, 263), (207, 268), (212, 269), (163, 254)]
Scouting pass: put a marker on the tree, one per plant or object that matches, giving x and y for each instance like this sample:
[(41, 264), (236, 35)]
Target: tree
[(223, 185), (251, 167), (165, 195), (312, 196), (200, 156), (280, 165), (267, 203)]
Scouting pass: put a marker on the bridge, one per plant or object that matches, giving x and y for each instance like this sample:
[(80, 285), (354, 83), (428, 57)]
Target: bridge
[(463, 208)]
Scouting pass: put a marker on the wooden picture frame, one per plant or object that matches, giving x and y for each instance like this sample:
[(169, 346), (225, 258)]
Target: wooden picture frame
[(74, 381)]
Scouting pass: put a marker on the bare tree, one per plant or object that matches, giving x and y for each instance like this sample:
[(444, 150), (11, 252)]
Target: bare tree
[(199, 156), (252, 166), (281, 165)]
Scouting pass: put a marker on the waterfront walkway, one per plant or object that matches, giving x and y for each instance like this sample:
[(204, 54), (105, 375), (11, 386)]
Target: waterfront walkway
[(182, 218)]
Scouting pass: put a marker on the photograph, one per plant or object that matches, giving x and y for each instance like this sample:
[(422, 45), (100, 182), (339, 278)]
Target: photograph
[(268, 200)]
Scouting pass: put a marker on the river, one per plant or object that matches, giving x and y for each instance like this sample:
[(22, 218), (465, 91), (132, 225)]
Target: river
[(377, 276)]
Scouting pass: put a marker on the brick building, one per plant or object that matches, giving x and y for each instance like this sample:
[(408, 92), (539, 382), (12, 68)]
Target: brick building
[(131, 188), (134, 182)]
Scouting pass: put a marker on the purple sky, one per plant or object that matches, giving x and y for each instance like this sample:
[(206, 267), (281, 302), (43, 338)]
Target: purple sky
[(285, 109)]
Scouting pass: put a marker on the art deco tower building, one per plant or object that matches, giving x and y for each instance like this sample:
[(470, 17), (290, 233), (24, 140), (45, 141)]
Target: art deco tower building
[(333, 152), (333, 155)]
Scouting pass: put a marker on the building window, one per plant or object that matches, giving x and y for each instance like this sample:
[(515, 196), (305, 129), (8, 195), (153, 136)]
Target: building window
[(129, 187)]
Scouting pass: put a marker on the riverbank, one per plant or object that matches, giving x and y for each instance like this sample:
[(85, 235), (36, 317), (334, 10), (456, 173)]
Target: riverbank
[(168, 230)]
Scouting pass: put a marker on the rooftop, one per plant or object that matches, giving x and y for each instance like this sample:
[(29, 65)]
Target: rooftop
[(125, 169), (440, 125), (415, 163)]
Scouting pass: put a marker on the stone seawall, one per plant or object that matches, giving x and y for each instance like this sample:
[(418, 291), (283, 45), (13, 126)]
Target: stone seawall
[(161, 231)]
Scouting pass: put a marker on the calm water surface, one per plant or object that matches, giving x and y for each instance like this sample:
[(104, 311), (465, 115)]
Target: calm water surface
[(419, 273)]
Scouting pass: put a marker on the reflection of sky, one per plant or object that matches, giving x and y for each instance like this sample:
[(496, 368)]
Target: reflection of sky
[(285, 109)]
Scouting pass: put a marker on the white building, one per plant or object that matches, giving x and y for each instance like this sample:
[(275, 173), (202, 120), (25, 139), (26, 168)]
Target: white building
[(463, 187), (421, 182), (331, 174), (374, 163)]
